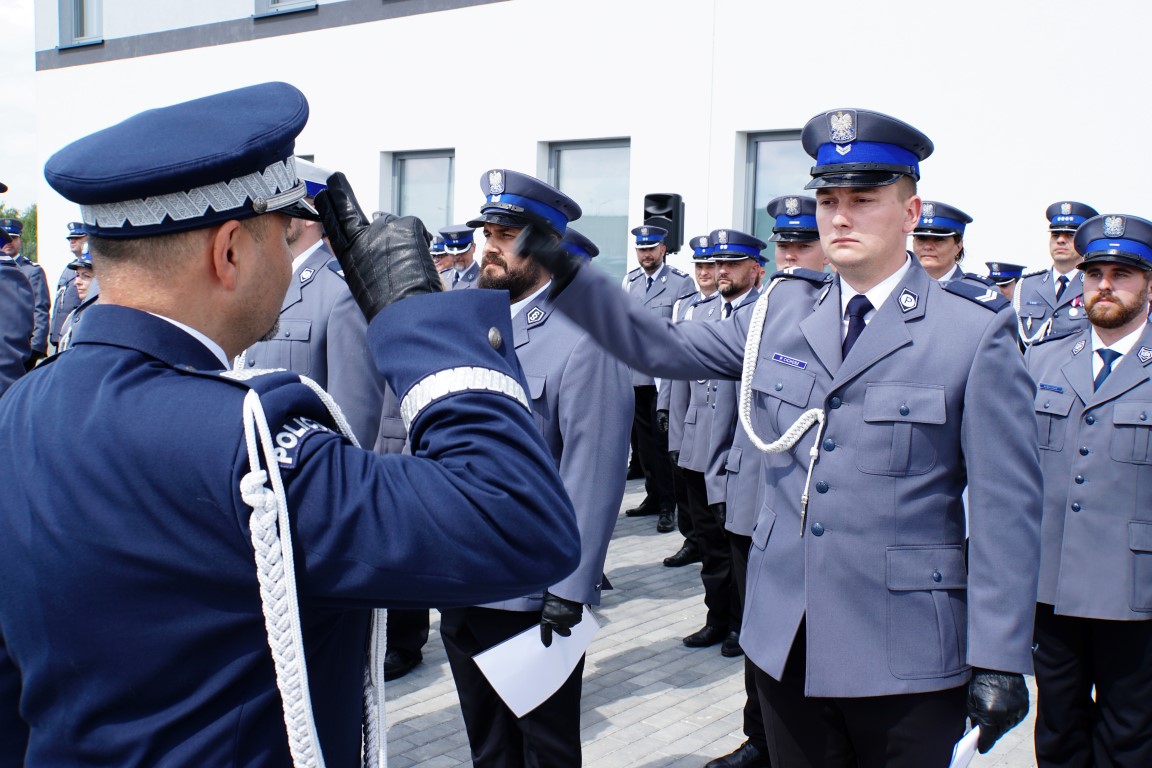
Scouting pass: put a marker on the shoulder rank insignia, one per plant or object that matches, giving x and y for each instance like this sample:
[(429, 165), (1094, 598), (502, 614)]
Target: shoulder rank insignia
[(982, 279), (332, 265), (811, 275), (987, 297), (634, 274), (1033, 273), (677, 272)]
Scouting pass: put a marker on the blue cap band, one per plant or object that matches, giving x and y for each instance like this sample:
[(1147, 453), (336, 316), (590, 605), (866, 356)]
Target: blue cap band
[(784, 221), (703, 251), (1124, 246), (506, 203), (576, 250), (867, 152), (1069, 219), (941, 222), (746, 250), (313, 187)]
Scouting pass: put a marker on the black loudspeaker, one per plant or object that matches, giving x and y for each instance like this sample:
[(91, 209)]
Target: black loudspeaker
[(666, 210)]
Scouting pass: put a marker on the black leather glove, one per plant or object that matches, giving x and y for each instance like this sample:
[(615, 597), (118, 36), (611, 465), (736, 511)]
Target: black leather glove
[(541, 243), (997, 702), (719, 512), (384, 260), (674, 457), (662, 422), (559, 616)]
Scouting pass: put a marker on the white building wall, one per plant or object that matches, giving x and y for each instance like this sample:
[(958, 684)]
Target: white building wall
[(1027, 102)]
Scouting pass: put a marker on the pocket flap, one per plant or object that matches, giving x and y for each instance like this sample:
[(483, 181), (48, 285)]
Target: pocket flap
[(294, 330), (763, 528), (536, 386), (690, 415), (899, 401), (733, 463), (1140, 536), (1134, 414), (1054, 403), (919, 568), (390, 426), (792, 385), (1033, 310)]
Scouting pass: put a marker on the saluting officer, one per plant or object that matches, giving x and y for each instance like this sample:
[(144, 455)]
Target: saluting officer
[(459, 243), (198, 591), (569, 377), (1051, 301), (1094, 412), (870, 633), (938, 240), (656, 286), (16, 301), (35, 273), (1005, 276)]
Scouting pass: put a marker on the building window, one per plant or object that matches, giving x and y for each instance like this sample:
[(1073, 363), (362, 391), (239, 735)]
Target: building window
[(80, 23), (422, 186), (273, 7), (595, 175), (777, 165)]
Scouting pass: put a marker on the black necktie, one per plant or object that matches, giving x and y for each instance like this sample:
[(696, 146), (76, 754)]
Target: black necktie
[(858, 306), (727, 310), (649, 286), (455, 278), (1109, 356), (1063, 280)]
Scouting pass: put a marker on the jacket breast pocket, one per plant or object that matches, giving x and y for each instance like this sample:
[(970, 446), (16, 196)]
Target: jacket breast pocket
[(927, 611), (781, 395), (900, 429), (1033, 311), (1132, 433), (1052, 409), (293, 337), (1140, 542)]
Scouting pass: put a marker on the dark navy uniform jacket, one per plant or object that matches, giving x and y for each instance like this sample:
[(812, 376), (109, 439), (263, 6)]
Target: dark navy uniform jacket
[(16, 302), (879, 575), (131, 630), (43, 301)]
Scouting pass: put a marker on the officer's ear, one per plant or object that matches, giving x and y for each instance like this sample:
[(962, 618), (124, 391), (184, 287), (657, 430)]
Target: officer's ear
[(225, 249)]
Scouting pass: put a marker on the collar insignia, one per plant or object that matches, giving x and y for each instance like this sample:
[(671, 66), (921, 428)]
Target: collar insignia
[(306, 275), (908, 300), (1145, 355), (1078, 348), (534, 315)]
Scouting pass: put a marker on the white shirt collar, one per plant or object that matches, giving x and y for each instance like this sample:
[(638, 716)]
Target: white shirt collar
[(215, 348), (1070, 274), (519, 305), (1123, 346), (877, 295), (739, 300), (299, 260)]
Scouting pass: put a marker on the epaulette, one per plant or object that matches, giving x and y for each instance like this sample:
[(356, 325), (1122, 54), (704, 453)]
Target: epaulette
[(811, 275), (985, 297), (634, 274), (982, 279), (677, 272), (1034, 273), (1055, 336), (335, 267)]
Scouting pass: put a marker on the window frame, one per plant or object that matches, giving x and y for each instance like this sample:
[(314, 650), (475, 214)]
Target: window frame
[(68, 34), (395, 161), (263, 9)]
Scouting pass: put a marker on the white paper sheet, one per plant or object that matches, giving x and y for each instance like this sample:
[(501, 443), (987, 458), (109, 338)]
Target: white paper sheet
[(965, 749), (525, 673)]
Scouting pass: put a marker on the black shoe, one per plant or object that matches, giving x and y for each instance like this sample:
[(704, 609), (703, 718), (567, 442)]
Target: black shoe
[(687, 554), (646, 508), (731, 645), (705, 636), (667, 521), (399, 663), (747, 755)]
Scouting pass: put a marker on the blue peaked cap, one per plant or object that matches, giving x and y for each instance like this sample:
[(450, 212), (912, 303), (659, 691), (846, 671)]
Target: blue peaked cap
[(514, 199), (437, 247), (1068, 215), (75, 229), (701, 249), (795, 219), (1001, 272), (862, 148), (1115, 237), (648, 236), (12, 226), (189, 165), (458, 238), (941, 220), (578, 244), (733, 245)]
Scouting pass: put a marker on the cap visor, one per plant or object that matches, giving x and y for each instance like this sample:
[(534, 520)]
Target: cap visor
[(646, 246), (500, 219), (1107, 257), (1061, 228), (831, 180), (794, 237), (301, 209), (932, 233)]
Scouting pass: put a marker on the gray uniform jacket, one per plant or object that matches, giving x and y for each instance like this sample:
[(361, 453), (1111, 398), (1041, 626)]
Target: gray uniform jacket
[(672, 395), (43, 301), (15, 323), (323, 335), (668, 285), (1035, 304), (467, 279), (67, 299), (742, 483), (725, 424), (1096, 455), (698, 414), (582, 402), (879, 575)]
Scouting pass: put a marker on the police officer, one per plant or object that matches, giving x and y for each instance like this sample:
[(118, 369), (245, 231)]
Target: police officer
[(1051, 301), (161, 598), (569, 377), (1005, 276), (16, 301), (459, 243), (938, 240), (673, 395), (657, 287), (1094, 408), (67, 298), (39, 282), (867, 628), (87, 290), (734, 475), (442, 260)]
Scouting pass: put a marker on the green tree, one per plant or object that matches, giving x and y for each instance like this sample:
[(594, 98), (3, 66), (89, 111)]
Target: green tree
[(28, 219)]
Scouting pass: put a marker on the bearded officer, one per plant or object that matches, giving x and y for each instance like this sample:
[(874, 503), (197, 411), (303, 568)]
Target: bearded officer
[(1094, 408), (569, 377), (1051, 301), (868, 630), (460, 245), (133, 624)]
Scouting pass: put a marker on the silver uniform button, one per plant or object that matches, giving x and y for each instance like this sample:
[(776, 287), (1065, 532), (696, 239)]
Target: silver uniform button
[(494, 338)]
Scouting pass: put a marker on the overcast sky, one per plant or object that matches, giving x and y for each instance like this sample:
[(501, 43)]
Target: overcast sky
[(18, 167)]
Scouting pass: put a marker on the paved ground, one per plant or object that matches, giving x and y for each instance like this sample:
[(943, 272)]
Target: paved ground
[(648, 701)]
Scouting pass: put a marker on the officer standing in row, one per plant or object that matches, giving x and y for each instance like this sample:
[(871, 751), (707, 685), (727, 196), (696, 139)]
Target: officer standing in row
[(1051, 301), (442, 261), (1094, 408), (938, 240), (198, 591), (87, 290), (868, 628), (459, 243), (67, 298), (36, 278), (1005, 276), (657, 287), (569, 377), (16, 302)]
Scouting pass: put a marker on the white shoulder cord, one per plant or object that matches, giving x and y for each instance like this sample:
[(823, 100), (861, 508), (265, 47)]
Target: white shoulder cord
[(793, 434), (275, 568), (1025, 339)]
